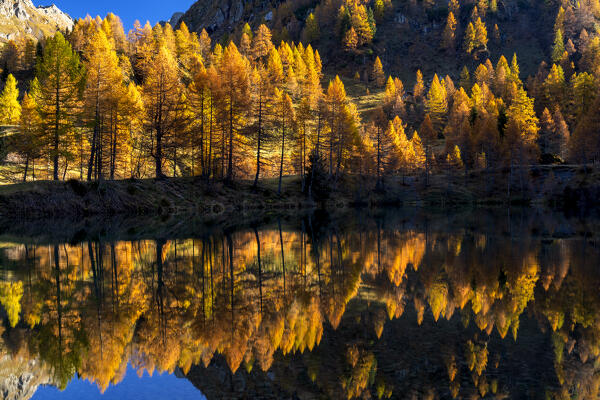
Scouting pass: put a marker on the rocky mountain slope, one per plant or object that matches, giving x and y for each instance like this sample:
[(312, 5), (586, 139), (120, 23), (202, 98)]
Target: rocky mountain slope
[(220, 17), (22, 17)]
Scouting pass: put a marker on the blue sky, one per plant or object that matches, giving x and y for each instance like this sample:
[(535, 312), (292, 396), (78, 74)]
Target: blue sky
[(159, 386), (128, 10)]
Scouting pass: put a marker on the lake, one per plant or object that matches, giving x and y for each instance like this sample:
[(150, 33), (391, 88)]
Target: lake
[(397, 304)]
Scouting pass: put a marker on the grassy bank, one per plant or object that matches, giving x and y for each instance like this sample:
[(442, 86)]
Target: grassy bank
[(556, 186)]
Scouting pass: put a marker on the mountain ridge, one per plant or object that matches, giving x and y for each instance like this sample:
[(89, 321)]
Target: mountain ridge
[(23, 18)]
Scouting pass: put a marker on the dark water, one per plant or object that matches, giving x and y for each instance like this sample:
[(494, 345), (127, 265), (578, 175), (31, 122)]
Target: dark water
[(411, 304)]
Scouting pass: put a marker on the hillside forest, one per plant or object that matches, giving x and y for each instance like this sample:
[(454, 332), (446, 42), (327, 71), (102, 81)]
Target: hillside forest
[(99, 104)]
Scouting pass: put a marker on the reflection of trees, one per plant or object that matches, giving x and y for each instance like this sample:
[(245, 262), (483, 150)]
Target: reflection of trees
[(165, 304)]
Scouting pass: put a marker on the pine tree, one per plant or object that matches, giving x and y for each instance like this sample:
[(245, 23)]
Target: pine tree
[(377, 73), (481, 39), (469, 40), (350, 39), (56, 90), (285, 120), (235, 98), (558, 48), (497, 36), (559, 22), (101, 97), (555, 88), (261, 43), (363, 23), (263, 103), (428, 135), (449, 32), (419, 88), (27, 144), (436, 104), (162, 100), (10, 109), (522, 128), (465, 78), (454, 7), (583, 94), (311, 31), (417, 156)]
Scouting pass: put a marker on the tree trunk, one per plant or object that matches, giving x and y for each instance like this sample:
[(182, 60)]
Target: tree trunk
[(258, 138), (282, 154)]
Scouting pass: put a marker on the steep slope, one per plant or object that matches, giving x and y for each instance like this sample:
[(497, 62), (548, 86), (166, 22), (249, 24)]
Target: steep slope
[(221, 17), (408, 34), (22, 17)]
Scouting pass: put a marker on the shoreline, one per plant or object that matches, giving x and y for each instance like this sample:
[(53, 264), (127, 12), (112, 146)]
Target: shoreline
[(566, 188)]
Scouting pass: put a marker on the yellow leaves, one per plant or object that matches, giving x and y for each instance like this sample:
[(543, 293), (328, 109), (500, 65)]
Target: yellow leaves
[(476, 356), (10, 109), (10, 298), (377, 73), (438, 298)]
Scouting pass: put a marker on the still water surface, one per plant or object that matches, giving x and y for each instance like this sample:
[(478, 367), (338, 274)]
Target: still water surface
[(395, 305)]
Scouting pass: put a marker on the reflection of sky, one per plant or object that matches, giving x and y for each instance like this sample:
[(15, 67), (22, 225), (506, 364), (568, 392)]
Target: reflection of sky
[(165, 386)]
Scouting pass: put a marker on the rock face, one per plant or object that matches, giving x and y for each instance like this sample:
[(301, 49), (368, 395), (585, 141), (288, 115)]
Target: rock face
[(22, 17), (20, 378), (220, 16)]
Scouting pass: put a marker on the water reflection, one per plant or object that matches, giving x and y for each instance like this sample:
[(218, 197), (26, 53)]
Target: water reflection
[(394, 305)]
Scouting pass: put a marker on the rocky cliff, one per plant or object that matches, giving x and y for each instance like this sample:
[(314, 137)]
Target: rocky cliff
[(22, 17), (21, 377), (219, 17)]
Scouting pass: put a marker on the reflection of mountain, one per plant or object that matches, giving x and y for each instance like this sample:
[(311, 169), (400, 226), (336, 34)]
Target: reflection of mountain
[(21, 375), (386, 306)]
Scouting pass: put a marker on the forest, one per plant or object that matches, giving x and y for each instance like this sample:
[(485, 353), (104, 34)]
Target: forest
[(99, 104)]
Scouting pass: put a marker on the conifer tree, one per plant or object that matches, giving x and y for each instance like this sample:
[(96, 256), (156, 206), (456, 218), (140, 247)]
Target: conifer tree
[(428, 136), (350, 39), (261, 43), (454, 7), (419, 88), (469, 40), (449, 34), (522, 129), (162, 99), (377, 73), (285, 120), (558, 49), (101, 97), (235, 98), (465, 78), (57, 91), (436, 104), (311, 31), (10, 109), (481, 38), (262, 100), (27, 144)]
